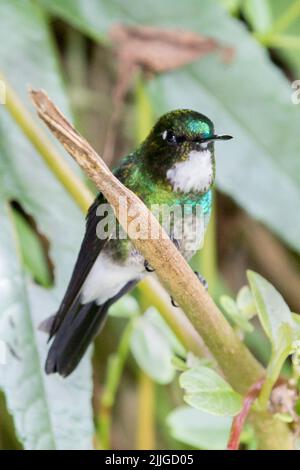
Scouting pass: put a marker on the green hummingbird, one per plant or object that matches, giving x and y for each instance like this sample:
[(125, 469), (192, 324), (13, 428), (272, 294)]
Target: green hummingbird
[(173, 167)]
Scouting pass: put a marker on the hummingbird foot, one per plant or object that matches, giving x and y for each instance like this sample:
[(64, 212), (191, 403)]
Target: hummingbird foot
[(147, 266), (202, 280), (176, 243)]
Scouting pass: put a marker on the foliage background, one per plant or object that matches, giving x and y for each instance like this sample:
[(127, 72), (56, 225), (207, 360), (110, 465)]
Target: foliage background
[(64, 47)]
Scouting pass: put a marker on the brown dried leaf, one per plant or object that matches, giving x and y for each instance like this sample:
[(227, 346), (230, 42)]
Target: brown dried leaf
[(154, 50), (159, 50)]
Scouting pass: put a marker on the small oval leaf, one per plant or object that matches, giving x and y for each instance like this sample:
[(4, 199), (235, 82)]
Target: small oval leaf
[(198, 429), (207, 391)]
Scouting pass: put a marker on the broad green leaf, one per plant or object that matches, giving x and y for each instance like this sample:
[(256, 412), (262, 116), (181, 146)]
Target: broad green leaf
[(152, 350), (249, 98), (207, 391), (275, 316), (46, 409), (198, 429)]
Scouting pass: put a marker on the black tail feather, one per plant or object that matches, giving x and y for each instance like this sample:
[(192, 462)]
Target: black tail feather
[(74, 336), (76, 331)]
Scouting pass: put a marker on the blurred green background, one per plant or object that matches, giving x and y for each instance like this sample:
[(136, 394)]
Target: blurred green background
[(67, 48)]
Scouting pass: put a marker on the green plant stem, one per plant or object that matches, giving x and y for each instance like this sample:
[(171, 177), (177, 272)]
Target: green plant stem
[(115, 367), (233, 357), (288, 17), (279, 40), (273, 371), (144, 112), (145, 431), (269, 432)]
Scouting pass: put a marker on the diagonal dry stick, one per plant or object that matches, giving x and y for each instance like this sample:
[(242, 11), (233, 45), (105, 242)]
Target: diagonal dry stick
[(235, 360)]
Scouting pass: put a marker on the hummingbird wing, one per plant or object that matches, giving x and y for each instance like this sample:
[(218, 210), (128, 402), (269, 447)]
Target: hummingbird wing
[(77, 323), (78, 319), (90, 248)]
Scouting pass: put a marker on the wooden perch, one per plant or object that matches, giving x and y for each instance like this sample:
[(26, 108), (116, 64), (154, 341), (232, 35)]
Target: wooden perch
[(235, 360)]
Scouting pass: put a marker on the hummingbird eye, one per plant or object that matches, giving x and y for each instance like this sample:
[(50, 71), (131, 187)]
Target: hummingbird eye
[(171, 138)]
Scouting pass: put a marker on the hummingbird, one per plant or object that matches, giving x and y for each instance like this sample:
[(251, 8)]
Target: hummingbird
[(174, 166)]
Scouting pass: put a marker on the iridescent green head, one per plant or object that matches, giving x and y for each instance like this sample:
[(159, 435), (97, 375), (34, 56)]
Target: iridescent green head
[(184, 125), (182, 140)]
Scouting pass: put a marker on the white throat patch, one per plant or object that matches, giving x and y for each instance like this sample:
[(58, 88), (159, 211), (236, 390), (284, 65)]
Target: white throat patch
[(194, 174)]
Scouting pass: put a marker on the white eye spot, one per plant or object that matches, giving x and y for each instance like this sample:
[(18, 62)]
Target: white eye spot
[(164, 135)]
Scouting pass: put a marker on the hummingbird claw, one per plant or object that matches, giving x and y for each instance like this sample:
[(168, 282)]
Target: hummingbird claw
[(147, 266), (202, 280), (176, 243), (174, 303)]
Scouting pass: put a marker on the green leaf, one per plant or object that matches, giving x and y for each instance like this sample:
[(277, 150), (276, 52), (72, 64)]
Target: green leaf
[(260, 168), (195, 361), (157, 321), (259, 14), (151, 349), (277, 322), (33, 254), (245, 302), (207, 391), (45, 408), (231, 308), (198, 429), (274, 314), (179, 364), (284, 417), (296, 329), (287, 9)]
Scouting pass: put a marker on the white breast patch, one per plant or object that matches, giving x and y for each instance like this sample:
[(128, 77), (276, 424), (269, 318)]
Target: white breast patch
[(194, 174)]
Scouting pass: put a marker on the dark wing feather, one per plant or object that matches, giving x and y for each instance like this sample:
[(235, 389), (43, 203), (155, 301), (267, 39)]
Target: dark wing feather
[(90, 248)]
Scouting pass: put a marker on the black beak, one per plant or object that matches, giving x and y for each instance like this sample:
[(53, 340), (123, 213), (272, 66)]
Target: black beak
[(221, 137), (213, 138)]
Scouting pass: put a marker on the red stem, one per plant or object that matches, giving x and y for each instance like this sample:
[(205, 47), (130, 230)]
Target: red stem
[(239, 420)]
